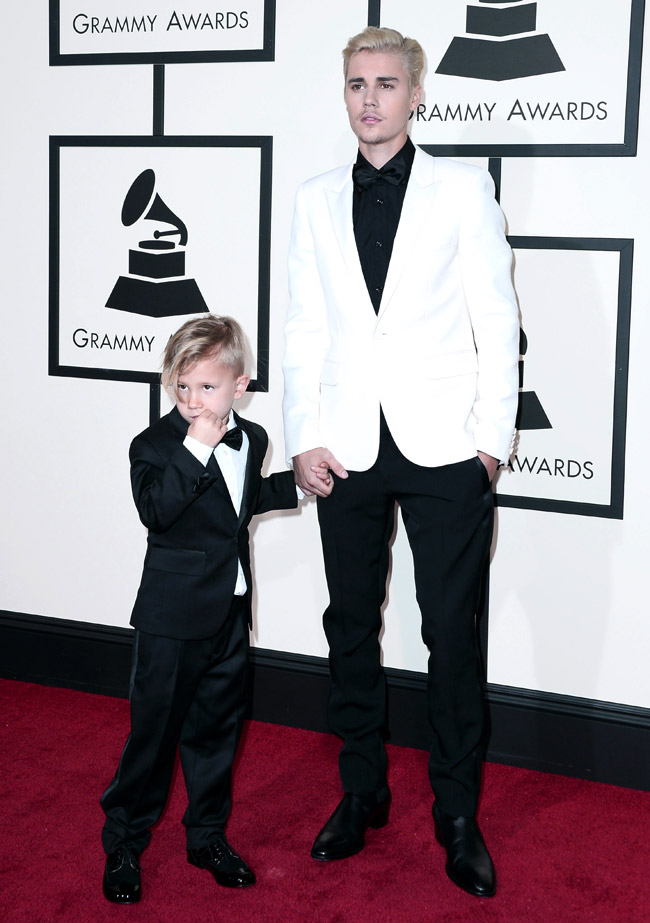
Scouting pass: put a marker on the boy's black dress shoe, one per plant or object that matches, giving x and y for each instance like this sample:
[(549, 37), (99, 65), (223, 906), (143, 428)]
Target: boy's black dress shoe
[(468, 861), (122, 876), (228, 868), (344, 833)]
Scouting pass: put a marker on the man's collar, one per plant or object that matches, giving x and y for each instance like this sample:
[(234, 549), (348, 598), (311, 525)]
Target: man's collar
[(405, 156)]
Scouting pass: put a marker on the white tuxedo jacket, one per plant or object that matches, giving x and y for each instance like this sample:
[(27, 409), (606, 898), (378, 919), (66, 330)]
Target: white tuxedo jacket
[(440, 357)]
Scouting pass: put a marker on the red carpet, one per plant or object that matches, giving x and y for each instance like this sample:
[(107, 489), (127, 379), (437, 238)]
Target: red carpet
[(565, 849)]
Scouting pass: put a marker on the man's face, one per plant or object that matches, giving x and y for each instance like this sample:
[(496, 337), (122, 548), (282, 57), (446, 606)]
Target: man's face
[(208, 385), (378, 98)]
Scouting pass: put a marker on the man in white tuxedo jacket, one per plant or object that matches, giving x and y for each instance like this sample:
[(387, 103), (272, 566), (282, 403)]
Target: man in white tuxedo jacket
[(401, 381)]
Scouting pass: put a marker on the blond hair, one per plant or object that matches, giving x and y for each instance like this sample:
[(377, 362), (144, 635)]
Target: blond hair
[(389, 41), (205, 337)]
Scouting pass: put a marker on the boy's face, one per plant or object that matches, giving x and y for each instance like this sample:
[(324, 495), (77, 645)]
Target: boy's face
[(208, 385), (378, 98)]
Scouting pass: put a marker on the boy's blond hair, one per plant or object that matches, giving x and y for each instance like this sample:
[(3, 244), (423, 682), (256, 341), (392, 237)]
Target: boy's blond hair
[(205, 337), (389, 41)]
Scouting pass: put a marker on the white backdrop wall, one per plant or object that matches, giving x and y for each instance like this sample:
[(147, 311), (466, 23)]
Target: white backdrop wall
[(568, 592)]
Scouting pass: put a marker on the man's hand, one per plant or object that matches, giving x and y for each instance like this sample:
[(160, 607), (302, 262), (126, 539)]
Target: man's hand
[(491, 463), (207, 428), (311, 470)]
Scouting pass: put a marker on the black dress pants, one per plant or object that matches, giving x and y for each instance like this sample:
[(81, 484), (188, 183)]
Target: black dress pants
[(187, 693), (448, 515)]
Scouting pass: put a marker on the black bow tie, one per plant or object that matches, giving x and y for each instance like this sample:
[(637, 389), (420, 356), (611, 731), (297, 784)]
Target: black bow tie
[(233, 438), (364, 174)]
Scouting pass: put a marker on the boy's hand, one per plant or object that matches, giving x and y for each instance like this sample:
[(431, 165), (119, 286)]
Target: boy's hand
[(207, 428), (310, 469), (322, 472)]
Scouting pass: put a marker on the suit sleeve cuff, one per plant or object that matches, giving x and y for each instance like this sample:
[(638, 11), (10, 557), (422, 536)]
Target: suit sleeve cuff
[(199, 450)]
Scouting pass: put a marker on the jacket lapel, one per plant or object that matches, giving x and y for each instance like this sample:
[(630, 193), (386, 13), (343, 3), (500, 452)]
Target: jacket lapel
[(420, 193), (180, 427), (253, 463), (339, 203), (418, 201), (220, 481)]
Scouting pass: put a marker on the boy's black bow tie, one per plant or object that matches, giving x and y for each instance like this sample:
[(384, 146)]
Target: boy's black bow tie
[(364, 175), (233, 438)]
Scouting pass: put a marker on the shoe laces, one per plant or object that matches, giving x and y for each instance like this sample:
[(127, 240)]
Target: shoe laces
[(125, 856), (221, 849)]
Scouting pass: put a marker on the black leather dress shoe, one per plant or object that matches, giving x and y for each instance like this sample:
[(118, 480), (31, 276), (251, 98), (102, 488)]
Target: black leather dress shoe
[(344, 833), (468, 861), (228, 868), (121, 883)]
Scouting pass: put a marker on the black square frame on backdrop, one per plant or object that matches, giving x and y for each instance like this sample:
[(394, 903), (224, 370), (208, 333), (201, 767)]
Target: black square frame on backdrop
[(266, 53), (627, 147), (265, 146), (614, 509)]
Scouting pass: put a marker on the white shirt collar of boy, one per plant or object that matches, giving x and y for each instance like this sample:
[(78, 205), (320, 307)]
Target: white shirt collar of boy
[(233, 469)]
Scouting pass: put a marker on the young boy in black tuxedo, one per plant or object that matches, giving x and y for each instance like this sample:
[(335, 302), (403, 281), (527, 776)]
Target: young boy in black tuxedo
[(196, 482)]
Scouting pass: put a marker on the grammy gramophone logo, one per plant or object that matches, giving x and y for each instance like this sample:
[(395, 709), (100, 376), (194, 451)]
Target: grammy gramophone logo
[(156, 284), (502, 43), (530, 413)]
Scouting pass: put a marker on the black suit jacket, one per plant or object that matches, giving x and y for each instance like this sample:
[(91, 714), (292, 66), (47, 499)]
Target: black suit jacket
[(195, 536)]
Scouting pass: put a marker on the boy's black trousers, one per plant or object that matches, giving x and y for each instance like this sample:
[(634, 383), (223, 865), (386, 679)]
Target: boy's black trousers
[(186, 694)]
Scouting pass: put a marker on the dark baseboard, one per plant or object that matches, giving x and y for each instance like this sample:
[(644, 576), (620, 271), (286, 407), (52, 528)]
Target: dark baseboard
[(576, 737)]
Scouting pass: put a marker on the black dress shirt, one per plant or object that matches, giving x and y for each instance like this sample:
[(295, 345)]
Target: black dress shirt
[(376, 212)]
